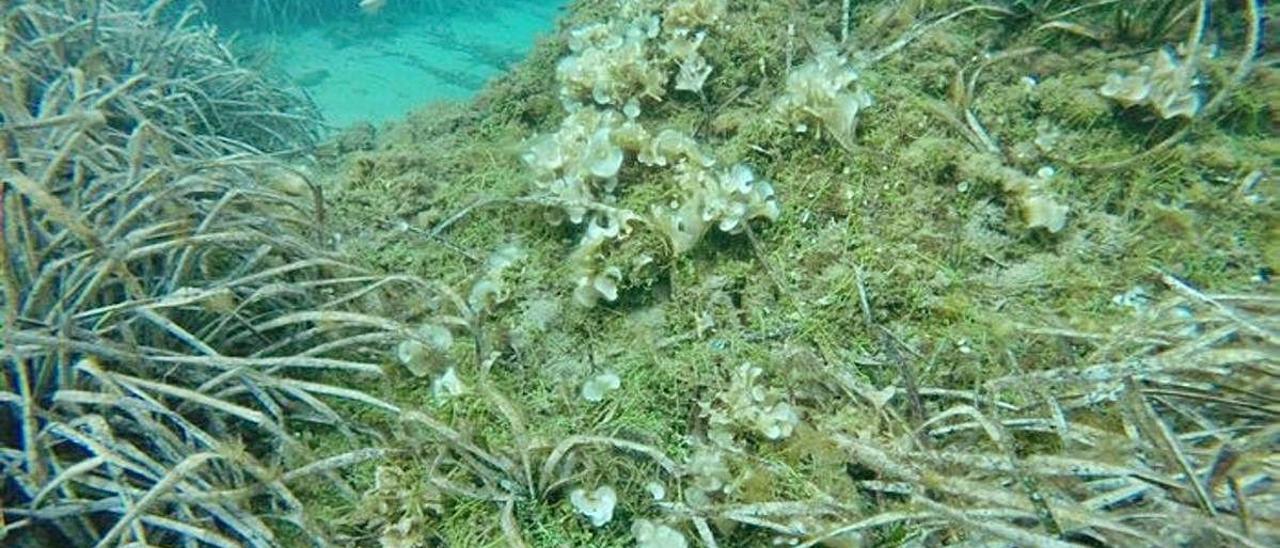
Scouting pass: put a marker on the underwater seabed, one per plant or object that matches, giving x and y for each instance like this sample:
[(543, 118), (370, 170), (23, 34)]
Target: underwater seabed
[(690, 273)]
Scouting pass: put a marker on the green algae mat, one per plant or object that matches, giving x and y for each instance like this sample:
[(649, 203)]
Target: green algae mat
[(897, 273)]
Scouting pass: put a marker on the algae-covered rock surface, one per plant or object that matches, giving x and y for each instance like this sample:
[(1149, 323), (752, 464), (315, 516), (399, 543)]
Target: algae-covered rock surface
[(898, 273)]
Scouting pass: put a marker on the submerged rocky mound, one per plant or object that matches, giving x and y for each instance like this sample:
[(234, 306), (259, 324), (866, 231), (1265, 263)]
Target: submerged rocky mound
[(697, 272), (776, 273)]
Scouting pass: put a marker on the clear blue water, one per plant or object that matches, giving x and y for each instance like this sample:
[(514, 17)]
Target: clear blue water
[(377, 67)]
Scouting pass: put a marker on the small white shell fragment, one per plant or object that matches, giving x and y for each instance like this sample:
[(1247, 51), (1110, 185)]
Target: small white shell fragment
[(778, 422), (372, 7), (654, 535), (448, 385), (427, 349), (597, 505), (657, 490), (596, 387), (632, 109)]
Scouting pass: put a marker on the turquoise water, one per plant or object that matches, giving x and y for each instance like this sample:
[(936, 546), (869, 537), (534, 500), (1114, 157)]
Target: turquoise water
[(377, 67)]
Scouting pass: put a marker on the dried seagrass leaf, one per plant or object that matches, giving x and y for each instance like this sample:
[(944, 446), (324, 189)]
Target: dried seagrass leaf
[(207, 536), (175, 474), (564, 447)]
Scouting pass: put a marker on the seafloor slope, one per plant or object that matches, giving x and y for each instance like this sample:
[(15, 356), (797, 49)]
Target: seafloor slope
[(961, 272), (696, 272)]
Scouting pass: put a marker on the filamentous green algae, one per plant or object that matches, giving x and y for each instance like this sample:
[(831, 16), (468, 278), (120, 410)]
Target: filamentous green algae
[(959, 272)]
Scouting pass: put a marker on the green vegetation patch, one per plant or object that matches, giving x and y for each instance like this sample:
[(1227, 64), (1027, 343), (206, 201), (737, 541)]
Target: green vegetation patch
[(991, 284)]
